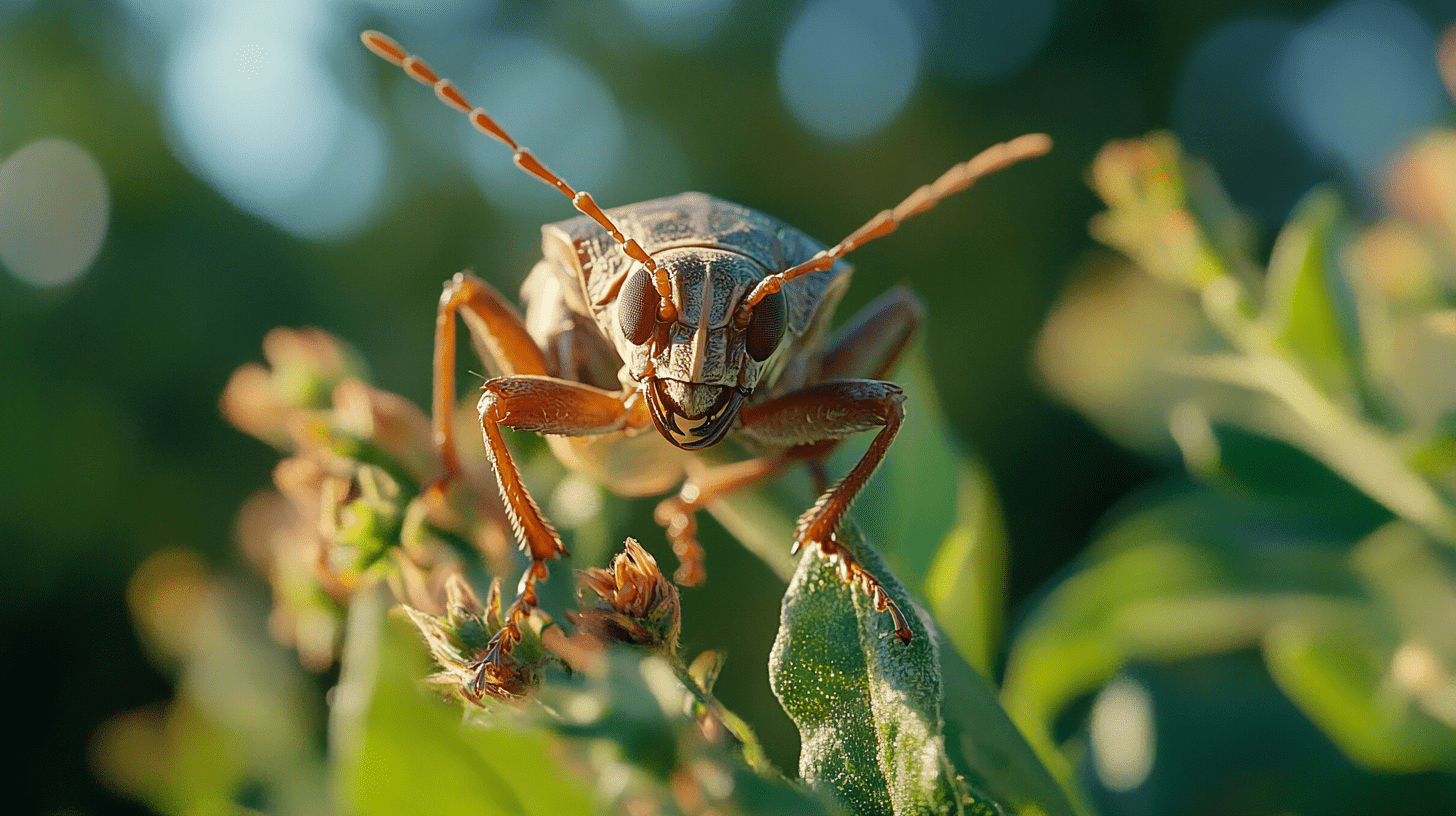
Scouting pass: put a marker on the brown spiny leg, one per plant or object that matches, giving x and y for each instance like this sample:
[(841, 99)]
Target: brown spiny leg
[(868, 346), (500, 338), (543, 405), (834, 410), (873, 341)]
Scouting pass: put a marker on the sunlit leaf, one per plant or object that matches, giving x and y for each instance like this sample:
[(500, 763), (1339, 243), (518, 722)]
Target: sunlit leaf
[(1196, 573), (1300, 293), (1335, 668), (869, 708), (1379, 677), (966, 583)]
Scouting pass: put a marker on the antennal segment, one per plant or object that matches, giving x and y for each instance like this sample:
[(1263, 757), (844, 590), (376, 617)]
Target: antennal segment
[(952, 181), (390, 51)]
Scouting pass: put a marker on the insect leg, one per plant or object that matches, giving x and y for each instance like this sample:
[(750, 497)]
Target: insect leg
[(873, 341), (679, 513), (831, 411), (499, 335), (544, 405)]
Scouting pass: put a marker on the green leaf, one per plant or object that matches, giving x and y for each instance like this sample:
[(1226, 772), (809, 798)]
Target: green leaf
[(988, 749), (398, 750), (1374, 675), (966, 583), (1299, 299), (1334, 667), (1195, 573), (867, 706)]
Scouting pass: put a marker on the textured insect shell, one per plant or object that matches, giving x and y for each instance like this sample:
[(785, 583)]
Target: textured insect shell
[(581, 250), (571, 313)]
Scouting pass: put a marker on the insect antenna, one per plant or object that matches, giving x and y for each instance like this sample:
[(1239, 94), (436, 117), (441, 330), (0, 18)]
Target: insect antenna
[(390, 51), (952, 181)]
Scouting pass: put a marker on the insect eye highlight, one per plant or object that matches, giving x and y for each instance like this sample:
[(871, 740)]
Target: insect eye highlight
[(637, 307), (766, 328)]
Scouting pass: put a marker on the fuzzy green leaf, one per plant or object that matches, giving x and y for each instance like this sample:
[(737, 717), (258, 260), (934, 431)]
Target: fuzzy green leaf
[(867, 706)]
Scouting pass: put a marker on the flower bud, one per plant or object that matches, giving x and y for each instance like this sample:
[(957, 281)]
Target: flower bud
[(636, 603)]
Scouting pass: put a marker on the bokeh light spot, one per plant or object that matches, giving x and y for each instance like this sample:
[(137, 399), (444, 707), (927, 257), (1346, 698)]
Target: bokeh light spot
[(847, 67), (1122, 735), (681, 25), (575, 501), (1359, 81), (256, 112), (53, 212)]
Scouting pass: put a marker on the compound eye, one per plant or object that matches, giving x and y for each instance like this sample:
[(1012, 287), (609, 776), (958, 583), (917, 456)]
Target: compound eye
[(637, 307), (766, 327)]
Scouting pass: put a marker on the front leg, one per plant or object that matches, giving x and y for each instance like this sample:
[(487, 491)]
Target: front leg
[(868, 347), (543, 405), (826, 411)]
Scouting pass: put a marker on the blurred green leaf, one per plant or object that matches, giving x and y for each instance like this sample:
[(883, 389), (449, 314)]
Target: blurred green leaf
[(1379, 677), (1299, 305), (396, 750), (1198, 572), (1362, 453), (966, 584), (1227, 230), (1334, 666), (195, 767)]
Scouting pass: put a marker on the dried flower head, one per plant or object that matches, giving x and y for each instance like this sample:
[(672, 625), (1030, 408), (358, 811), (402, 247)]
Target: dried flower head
[(459, 642), (349, 508), (304, 366), (636, 603)]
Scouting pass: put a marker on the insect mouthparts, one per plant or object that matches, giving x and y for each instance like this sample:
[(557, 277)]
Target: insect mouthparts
[(707, 411)]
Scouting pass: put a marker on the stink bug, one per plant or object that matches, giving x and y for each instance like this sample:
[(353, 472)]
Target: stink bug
[(659, 328)]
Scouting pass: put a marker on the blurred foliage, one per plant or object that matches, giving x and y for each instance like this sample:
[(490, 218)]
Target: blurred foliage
[(1310, 406)]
